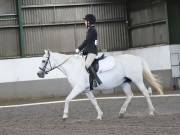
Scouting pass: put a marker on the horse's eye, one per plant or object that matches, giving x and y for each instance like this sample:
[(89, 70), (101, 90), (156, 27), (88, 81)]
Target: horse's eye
[(43, 61)]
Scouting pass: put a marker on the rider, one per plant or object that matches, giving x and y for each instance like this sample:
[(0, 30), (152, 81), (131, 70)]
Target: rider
[(89, 46)]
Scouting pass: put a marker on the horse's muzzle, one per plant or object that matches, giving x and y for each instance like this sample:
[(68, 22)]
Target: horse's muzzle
[(40, 74)]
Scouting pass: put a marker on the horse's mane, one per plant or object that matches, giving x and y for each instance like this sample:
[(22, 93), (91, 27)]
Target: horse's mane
[(74, 56)]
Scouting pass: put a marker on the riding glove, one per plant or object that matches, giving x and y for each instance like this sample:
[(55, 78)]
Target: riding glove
[(77, 50)]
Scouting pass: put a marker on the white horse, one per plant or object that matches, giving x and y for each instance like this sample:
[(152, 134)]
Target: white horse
[(126, 66)]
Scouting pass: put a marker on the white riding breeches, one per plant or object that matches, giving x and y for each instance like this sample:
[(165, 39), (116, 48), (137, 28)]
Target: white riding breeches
[(89, 60)]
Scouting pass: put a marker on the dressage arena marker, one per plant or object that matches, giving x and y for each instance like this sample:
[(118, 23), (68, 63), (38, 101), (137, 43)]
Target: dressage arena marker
[(75, 100)]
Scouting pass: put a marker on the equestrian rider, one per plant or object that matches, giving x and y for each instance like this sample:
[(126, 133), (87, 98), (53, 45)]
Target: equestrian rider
[(89, 46)]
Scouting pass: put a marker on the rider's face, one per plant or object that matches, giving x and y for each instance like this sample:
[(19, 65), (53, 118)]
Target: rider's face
[(86, 23)]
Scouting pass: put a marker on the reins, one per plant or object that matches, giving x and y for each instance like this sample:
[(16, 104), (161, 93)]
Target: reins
[(58, 66)]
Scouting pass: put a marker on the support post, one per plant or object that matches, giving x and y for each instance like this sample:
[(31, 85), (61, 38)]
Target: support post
[(21, 30)]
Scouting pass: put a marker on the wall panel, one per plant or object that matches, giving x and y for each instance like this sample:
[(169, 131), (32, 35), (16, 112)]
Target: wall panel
[(9, 42), (57, 25), (148, 23), (52, 23), (59, 39)]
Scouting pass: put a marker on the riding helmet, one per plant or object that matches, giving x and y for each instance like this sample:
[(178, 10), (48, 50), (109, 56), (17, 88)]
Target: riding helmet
[(91, 18)]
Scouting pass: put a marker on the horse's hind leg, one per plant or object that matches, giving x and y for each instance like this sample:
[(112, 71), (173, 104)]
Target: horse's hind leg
[(143, 89), (91, 97), (127, 90)]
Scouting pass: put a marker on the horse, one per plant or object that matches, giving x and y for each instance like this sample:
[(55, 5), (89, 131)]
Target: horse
[(127, 68)]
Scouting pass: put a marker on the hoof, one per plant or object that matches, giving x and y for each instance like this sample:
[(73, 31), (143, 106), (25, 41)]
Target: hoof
[(151, 113), (121, 115), (99, 118), (65, 116), (64, 119)]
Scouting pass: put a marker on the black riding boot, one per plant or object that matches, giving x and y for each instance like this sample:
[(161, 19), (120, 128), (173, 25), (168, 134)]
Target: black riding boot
[(93, 73), (91, 79)]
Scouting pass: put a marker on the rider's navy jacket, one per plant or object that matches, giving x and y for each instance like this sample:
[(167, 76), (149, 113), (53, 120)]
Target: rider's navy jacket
[(88, 45)]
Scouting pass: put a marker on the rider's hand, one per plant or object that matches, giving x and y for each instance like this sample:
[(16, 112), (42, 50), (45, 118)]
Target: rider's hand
[(77, 50)]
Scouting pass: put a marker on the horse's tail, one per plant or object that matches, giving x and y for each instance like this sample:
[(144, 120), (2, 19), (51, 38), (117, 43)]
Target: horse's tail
[(151, 78)]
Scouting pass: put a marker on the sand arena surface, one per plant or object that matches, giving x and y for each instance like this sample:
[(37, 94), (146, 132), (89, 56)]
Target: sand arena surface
[(47, 119)]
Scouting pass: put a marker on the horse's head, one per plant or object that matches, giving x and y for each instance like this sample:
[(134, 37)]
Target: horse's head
[(51, 61), (45, 66)]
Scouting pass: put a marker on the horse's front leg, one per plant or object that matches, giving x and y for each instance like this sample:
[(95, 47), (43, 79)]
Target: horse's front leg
[(75, 91), (91, 97)]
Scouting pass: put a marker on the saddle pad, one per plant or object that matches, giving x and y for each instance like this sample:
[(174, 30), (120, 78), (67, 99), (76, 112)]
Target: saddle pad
[(106, 64)]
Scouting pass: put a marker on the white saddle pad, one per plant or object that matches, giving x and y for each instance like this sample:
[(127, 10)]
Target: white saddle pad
[(106, 64)]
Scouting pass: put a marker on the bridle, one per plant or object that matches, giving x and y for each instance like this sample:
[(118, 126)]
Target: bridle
[(51, 67)]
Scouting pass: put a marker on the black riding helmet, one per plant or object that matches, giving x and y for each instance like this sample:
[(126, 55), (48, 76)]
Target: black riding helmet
[(91, 18)]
